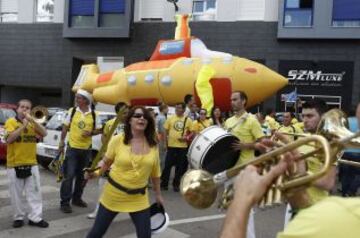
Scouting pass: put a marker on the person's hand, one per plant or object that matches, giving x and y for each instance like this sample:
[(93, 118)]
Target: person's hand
[(86, 133), (250, 186), (61, 147), (238, 146), (89, 175), (159, 199)]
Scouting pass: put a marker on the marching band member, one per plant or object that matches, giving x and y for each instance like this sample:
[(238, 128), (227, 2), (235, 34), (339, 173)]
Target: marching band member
[(22, 169), (248, 130), (134, 158), (82, 123), (288, 127), (201, 123), (269, 118), (177, 128), (160, 121)]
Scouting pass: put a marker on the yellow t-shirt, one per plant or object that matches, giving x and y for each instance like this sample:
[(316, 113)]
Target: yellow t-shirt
[(294, 121), (131, 171), (23, 150), (314, 165), (299, 126), (174, 126), (290, 129), (80, 122), (334, 217), (273, 124), (248, 131), (199, 126)]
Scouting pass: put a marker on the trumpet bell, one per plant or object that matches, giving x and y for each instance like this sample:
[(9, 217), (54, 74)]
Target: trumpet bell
[(334, 126), (39, 114), (198, 188)]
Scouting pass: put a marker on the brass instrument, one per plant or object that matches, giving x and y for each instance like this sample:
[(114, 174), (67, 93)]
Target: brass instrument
[(199, 187), (39, 114)]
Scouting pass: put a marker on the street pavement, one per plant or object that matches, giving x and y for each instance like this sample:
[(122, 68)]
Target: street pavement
[(185, 221)]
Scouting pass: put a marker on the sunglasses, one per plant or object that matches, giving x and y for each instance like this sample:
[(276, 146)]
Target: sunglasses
[(138, 115)]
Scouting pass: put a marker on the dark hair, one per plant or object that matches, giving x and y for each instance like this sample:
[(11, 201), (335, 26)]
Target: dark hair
[(242, 95), (120, 105), (213, 116), (23, 100), (181, 104), (318, 104), (149, 132), (187, 98)]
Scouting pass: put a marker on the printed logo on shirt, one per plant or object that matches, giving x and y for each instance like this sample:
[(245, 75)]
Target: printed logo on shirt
[(81, 124), (179, 125)]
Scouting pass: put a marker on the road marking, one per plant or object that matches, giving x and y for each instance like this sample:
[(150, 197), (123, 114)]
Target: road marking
[(44, 189), (57, 227), (165, 234), (196, 219)]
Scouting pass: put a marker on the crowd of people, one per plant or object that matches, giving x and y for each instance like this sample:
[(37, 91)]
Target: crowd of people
[(145, 147)]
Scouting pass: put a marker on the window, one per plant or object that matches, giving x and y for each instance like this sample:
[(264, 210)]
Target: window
[(204, 9), (346, 13), (298, 13), (8, 10), (44, 10), (82, 13), (111, 12)]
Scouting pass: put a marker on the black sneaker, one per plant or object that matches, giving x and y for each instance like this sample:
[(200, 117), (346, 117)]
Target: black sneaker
[(41, 224), (66, 208), (18, 223), (79, 203), (176, 189)]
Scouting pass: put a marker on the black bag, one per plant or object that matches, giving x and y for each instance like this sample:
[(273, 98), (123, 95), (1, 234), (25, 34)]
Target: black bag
[(22, 172)]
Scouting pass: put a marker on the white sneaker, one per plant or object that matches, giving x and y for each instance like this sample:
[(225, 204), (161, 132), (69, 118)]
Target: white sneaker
[(91, 215)]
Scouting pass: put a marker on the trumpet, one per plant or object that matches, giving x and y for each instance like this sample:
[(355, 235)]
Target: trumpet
[(200, 188), (39, 114)]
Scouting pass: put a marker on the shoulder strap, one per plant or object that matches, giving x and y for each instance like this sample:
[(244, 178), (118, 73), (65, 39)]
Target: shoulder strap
[(241, 120), (94, 118), (184, 126), (73, 110)]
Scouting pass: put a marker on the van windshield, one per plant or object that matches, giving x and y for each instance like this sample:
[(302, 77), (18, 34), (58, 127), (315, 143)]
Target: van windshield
[(55, 122)]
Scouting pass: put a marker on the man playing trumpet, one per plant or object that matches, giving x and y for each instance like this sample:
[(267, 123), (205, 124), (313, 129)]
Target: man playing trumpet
[(22, 169)]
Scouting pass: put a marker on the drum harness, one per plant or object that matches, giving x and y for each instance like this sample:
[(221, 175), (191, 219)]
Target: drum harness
[(241, 120)]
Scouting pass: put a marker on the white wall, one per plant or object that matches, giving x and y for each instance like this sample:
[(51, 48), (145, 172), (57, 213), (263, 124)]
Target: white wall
[(59, 6), (271, 10), (227, 10), (251, 10), (26, 11)]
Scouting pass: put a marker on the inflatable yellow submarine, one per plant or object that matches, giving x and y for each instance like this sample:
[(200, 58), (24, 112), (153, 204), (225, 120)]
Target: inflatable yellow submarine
[(172, 71)]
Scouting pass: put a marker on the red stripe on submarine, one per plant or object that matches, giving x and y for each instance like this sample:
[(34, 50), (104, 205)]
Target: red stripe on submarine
[(172, 72)]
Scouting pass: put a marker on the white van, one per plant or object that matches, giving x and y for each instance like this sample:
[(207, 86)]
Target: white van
[(48, 149)]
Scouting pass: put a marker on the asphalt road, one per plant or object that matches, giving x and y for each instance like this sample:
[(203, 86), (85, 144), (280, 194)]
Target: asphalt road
[(185, 221)]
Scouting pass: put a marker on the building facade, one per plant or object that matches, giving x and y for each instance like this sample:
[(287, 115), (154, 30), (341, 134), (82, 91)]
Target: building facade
[(313, 43)]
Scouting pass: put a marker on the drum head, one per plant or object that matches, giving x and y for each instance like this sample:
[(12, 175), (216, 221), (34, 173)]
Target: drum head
[(221, 156)]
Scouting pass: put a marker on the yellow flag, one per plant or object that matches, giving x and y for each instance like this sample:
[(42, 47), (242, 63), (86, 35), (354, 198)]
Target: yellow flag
[(204, 89)]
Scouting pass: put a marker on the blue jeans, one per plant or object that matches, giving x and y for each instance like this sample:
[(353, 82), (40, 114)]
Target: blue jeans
[(75, 161), (104, 217)]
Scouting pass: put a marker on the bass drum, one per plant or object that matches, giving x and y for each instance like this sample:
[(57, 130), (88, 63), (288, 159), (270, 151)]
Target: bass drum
[(211, 150)]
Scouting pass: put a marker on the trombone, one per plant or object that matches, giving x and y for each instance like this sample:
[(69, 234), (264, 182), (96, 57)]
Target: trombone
[(199, 188)]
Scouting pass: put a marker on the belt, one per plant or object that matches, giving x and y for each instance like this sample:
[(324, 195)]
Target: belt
[(127, 190)]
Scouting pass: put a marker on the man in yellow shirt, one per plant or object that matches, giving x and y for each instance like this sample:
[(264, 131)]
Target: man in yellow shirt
[(244, 126), (248, 129), (21, 134), (333, 217), (82, 124), (176, 127), (287, 127)]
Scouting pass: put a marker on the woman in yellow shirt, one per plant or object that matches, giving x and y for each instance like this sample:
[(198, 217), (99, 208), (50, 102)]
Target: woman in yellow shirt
[(134, 158), (216, 117), (201, 123)]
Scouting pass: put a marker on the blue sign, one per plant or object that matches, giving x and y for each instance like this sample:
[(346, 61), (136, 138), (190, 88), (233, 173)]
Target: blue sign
[(172, 47)]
